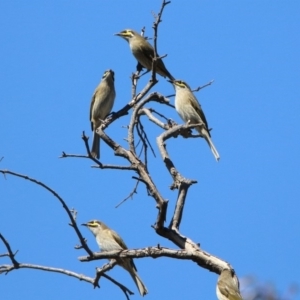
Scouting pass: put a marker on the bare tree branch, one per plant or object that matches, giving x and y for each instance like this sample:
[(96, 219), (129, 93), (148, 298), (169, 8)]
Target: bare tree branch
[(155, 28), (69, 213), (130, 195), (151, 97), (16, 265), (149, 113), (189, 250), (196, 89), (10, 254), (8, 268), (199, 256)]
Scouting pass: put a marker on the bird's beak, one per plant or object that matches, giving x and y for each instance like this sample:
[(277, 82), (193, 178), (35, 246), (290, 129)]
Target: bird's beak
[(84, 224), (118, 34)]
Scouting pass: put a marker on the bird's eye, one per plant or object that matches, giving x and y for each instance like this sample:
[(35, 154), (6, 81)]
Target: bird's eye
[(181, 83)]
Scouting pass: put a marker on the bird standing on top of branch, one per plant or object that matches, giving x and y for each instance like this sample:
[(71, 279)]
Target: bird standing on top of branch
[(191, 112), (228, 286), (108, 240), (101, 105), (144, 52)]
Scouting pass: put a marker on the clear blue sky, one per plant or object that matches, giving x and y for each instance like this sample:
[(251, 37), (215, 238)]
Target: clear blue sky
[(244, 209)]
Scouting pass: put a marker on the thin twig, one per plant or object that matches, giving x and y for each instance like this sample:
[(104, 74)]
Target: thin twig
[(115, 167), (143, 141), (151, 97), (100, 271), (159, 114), (156, 23), (134, 191), (125, 290), (16, 265), (146, 137), (69, 213), (196, 89), (8, 268), (148, 113), (177, 216), (10, 253)]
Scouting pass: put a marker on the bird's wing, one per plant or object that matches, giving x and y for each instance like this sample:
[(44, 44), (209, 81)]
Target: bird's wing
[(121, 243), (91, 109), (229, 292), (118, 239), (196, 105), (147, 50)]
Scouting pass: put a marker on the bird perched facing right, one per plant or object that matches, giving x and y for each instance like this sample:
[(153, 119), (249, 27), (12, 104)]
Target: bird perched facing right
[(108, 240), (228, 286), (191, 112), (143, 52), (101, 105)]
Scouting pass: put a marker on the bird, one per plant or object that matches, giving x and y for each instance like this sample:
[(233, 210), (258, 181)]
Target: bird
[(101, 105), (191, 112), (228, 286), (108, 240), (144, 52)]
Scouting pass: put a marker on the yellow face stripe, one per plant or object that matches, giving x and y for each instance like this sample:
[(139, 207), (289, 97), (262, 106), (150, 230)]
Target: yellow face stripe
[(126, 33), (180, 83), (92, 224)]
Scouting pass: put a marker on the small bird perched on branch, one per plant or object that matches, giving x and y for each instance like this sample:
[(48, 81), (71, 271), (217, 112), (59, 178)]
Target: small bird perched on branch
[(144, 52), (101, 105), (108, 240), (228, 286), (191, 112)]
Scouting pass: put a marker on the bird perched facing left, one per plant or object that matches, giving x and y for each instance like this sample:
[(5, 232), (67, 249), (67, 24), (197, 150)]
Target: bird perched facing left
[(101, 105), (108, 240), (144, 52), (228, 286), (191, 112)]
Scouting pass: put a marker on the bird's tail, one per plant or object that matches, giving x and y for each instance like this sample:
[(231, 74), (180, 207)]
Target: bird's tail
[(170, 76), (96, 146), (212, 148), (211, 145), (139, 283)]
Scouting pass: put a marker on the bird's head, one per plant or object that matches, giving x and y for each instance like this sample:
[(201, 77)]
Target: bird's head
[(179, 84), (127, 34), (108, 75), (94, 226)]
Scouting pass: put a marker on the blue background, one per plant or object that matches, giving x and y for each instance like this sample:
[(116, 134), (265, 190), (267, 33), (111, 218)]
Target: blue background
[(244, 209)]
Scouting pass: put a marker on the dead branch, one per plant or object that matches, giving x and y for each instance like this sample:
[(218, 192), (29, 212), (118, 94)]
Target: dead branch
[(69, 213), (199, 256), (189, 250), (196, 89), (130, 196)]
